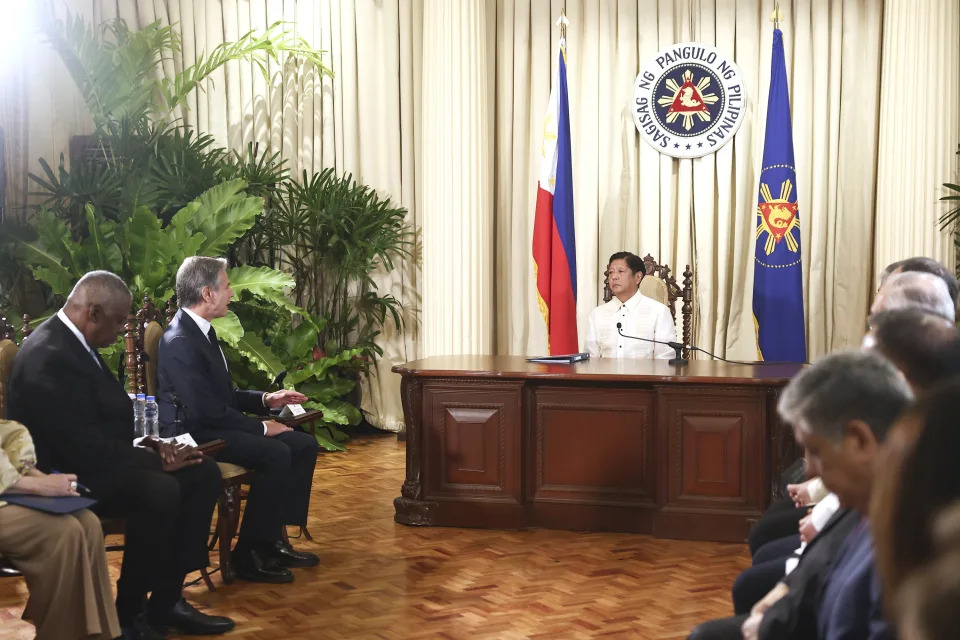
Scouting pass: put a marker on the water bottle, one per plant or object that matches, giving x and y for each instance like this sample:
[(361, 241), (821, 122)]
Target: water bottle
[(138, 418), (151, 417)]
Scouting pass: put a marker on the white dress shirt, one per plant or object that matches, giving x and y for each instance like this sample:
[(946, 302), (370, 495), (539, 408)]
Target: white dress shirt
[(204, 326), (819, 516), (640, 316), (73, 329)]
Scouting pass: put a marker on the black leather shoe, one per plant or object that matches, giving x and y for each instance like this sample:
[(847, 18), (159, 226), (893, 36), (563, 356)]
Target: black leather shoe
[(141, 630), (286, 556), (249, 565), (187, 620)]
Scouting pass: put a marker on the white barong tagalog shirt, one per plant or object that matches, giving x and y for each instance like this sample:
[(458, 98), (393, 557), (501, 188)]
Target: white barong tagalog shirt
[(640, 316)]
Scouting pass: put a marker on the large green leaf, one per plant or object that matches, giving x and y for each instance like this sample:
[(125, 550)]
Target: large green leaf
[(352, 414), (301, 341), (267, 284), (319, 368), (228, 328), (152, 251), (260, 355), (101, 249), (222, 214), (50, 256), (257, 280), (323, 391), (326, 439)]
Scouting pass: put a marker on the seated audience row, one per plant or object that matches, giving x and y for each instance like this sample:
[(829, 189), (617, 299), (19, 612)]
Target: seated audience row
[(81, 422), (889, 480)]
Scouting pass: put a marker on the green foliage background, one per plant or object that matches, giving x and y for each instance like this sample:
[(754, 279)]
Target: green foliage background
[(150, 192)]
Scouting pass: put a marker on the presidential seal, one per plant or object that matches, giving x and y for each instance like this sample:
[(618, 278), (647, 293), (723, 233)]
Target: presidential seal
[(688, 100)]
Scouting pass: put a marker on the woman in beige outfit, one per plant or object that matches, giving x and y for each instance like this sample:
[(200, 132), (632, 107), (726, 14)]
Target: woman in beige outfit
[(61, 556)]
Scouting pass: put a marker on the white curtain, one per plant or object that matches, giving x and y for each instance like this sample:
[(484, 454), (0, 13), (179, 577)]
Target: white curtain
[(699, 212), (364, 120), (874, 91)]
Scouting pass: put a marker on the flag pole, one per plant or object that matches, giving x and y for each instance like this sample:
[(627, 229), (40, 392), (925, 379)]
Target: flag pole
[(776, 15)]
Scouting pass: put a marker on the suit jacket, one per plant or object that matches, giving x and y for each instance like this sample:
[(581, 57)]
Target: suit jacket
[(78, 414), (851, 604), (191, 371), (795, 615)]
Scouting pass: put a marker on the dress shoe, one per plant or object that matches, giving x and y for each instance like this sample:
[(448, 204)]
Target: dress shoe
[(286, 556), (249, 565), (186, 619), (141, 630)]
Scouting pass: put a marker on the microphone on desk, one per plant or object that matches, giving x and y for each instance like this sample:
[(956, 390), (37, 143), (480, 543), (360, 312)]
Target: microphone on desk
[(677, 347), (678, 358)]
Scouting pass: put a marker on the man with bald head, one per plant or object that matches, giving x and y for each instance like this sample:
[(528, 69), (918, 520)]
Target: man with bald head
[(81, 420), (924, 346), (924, 265), (915, 290)]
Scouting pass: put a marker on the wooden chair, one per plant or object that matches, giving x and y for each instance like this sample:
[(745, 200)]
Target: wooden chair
[(659, 284), (142, 343), (142, 339)]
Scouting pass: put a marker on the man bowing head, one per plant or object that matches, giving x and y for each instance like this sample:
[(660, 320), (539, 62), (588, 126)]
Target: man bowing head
[(194, 379)]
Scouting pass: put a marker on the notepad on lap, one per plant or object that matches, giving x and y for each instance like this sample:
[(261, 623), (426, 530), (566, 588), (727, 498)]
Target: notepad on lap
[(49, 504)]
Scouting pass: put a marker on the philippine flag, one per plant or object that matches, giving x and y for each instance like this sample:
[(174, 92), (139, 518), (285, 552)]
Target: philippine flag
[(554, 245)]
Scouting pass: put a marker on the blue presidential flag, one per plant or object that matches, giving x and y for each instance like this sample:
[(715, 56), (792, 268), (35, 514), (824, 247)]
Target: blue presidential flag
[(777, 280)]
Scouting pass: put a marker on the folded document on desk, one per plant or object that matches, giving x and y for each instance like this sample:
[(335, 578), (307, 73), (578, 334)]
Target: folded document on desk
[(570, 358)]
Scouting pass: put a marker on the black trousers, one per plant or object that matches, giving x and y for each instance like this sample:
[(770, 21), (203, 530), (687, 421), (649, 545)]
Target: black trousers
[(720, 629), (283, 476), (168, 522), (781, 519), (769, 568)]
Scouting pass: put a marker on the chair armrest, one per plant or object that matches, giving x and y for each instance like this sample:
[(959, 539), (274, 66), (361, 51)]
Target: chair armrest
[(212, 448), (296, 421)]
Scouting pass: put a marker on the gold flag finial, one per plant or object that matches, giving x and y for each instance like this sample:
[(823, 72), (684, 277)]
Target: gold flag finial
[(562, 22), (776, 16)]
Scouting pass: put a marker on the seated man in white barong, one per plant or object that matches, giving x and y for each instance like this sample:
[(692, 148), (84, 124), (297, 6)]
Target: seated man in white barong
[(637, 314)]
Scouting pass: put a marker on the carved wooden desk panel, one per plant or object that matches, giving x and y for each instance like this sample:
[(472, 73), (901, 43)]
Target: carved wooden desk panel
[(604, 445)]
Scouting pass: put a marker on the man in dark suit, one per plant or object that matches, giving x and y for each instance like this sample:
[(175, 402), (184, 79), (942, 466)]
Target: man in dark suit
[(841, 409), (81, 421), (194, 381)]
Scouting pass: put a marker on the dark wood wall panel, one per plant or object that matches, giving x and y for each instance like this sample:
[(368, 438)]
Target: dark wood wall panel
[(714, 447), (472, 440), (591, 444)]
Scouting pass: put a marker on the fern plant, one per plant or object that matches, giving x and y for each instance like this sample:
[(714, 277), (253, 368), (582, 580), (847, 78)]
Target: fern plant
[(333, 234), (120, 75)]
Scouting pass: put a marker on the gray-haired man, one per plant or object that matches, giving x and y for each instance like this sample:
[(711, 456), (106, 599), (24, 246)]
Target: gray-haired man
[(193, 372)]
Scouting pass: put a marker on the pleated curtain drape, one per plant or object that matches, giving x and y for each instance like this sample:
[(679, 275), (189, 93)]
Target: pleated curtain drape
[(439, 104)]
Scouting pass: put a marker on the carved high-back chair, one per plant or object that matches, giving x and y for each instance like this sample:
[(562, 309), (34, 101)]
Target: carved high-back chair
[(659, 284), (142, 343)]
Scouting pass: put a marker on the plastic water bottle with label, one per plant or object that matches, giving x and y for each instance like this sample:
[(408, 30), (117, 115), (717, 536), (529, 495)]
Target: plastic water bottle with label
[(151, 417), (139, 404)]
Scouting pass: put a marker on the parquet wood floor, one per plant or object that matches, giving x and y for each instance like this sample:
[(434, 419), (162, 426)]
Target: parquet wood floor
[(378, 579)]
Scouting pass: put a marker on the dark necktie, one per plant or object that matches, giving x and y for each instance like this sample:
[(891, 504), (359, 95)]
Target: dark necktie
[(95, 358), (212, 336)]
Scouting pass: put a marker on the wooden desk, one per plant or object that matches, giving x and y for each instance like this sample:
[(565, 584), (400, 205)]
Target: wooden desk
[(604, 445)]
